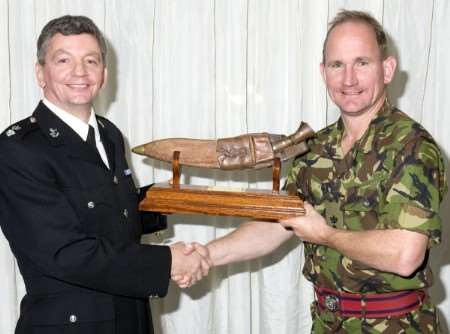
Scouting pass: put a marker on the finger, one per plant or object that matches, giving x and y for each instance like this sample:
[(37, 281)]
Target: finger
[(183, 285), (202, 250), (188, 249), (286, 224), (308, 207), (185, 280), (207, 260), (176, 277), (205, 268), (199, 275), (193, 280)]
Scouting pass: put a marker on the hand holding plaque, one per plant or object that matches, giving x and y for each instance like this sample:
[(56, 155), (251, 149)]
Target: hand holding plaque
[(246, 151)]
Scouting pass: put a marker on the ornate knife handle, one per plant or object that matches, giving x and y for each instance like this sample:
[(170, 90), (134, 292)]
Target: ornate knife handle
[(258, 150)]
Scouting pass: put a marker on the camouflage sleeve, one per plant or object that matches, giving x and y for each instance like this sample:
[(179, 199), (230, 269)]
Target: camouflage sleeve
[(415, 190)]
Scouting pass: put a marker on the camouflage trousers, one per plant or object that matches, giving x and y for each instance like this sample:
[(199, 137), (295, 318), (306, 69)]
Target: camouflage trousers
[(421, 321)]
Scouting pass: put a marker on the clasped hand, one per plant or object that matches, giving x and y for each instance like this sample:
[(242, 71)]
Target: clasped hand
[(190, 263)]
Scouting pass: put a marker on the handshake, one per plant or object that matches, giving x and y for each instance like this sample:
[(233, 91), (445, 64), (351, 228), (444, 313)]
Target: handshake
[(190, 263)]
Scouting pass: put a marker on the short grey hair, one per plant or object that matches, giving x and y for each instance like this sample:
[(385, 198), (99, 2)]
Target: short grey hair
[(69, 25)]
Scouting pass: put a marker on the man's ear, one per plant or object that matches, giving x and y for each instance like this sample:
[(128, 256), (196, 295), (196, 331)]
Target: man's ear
[(322, 72), (105, 77), (389, 66), (39, 71)]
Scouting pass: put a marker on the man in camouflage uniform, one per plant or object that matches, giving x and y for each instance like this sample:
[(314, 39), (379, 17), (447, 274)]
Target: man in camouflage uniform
[(392, 178), (373, 182)]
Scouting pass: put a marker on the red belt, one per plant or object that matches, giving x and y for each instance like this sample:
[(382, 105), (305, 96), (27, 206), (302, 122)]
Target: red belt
[(372, 305)]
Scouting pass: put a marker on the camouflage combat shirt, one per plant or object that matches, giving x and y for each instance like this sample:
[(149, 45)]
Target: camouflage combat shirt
[(392, 178)]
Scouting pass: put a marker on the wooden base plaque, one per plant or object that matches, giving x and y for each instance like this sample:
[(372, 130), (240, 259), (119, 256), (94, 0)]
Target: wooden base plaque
[(256, 204)]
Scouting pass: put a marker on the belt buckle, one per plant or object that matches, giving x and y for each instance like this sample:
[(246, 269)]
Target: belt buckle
[(332, 303)]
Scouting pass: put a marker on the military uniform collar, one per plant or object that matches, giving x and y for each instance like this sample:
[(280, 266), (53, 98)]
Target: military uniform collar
[(365, 143)]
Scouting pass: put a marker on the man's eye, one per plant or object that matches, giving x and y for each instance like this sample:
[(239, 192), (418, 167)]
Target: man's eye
[(62, 60), (335, 65), (92, 62), (363, 63)]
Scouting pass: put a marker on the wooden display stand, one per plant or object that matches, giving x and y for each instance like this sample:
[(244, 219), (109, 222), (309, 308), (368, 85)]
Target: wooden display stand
[(250, 203)]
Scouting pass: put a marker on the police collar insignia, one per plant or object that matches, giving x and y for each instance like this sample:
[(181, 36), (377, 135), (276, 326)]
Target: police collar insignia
[(12, 131), (54, 133)]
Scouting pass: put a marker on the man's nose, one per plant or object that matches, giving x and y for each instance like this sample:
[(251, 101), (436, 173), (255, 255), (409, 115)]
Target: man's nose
[(79, 68), (350, 78)]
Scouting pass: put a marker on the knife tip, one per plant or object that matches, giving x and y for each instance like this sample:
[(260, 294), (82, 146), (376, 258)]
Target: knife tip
[(139, 149)]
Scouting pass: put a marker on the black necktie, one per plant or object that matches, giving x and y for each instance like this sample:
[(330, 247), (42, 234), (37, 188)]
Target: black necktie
[(91, 137)]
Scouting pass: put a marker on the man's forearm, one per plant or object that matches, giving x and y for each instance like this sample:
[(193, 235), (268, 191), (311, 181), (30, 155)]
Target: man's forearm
[(396, 251), (251, 240)]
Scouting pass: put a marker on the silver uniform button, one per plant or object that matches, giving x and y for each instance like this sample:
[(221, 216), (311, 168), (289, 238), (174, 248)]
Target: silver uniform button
[(125, 213), (91, 205), (366, 203), (115, 180), (33, 119), (73, 318)]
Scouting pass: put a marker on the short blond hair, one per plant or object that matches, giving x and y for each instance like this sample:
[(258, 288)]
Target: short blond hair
[(362, 17)]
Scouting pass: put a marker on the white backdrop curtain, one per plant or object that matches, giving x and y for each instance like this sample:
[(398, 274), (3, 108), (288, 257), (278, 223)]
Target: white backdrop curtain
[(216, 68)]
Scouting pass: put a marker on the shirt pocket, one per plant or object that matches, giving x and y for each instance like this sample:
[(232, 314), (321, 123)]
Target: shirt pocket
[(361, 214), (96, 207)]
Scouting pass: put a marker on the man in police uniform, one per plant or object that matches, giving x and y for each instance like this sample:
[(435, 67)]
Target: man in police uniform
[(69, 205), (373, 182)]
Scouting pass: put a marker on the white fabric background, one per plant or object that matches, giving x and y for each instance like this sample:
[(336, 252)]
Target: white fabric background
[(208, 69)]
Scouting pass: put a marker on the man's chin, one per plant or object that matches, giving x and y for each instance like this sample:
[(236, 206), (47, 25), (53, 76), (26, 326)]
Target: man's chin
[(81, 101), (352, 110)]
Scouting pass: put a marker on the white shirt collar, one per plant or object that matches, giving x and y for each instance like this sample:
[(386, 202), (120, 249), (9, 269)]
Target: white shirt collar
[(74, 122)]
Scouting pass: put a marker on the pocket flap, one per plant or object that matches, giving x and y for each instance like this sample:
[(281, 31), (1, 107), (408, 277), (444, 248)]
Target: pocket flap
[(72, 308), (361, 205)]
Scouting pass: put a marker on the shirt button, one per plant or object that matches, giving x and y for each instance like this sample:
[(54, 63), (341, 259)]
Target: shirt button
[(125, 213), (73, 318), (91, 205), (115, 180)]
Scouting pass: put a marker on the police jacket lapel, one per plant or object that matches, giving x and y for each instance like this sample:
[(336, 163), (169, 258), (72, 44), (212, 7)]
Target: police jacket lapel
[(108, 144), (60, 134)]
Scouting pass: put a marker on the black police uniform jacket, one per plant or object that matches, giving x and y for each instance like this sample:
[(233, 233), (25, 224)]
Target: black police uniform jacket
[(74, 228)]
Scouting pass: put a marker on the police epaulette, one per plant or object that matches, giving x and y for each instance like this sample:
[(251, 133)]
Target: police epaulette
[(107, 125), (102, 121), (21, 128)]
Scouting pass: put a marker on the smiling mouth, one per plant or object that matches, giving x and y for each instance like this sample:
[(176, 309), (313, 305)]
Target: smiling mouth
[(351, 93), (78, 86)]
